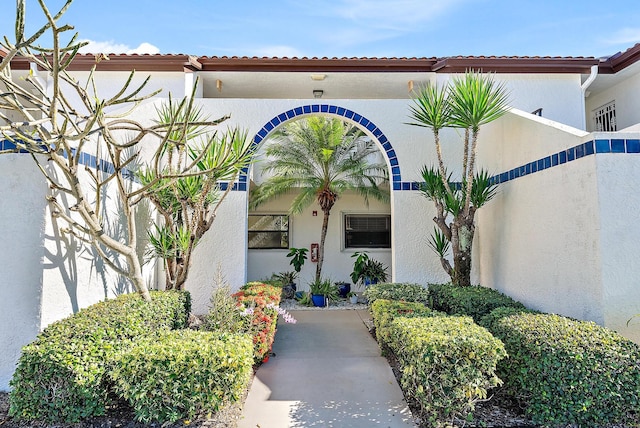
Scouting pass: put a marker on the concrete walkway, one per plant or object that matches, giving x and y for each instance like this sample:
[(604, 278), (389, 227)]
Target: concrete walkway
[(327, 372)]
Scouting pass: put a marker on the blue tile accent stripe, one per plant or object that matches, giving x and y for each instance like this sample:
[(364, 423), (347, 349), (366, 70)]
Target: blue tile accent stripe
[(592, 147), (107, 167), (389, 152)]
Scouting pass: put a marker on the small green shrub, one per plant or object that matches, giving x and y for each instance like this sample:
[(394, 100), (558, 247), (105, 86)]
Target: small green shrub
[(473, 301), (224, 314), (385, 311), (61, 376), (179, 374), (397, 291), (447, 363), (569, 372)]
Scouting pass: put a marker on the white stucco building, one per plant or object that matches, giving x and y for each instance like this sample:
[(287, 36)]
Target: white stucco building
[(561, 236)]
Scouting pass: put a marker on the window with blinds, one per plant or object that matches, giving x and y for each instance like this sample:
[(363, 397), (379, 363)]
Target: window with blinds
[(367, 231), (268, 231), (604, 118)]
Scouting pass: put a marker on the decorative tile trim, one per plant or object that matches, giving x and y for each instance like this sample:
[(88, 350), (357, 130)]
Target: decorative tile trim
[(107, 167), (389, 152), (589, 148)]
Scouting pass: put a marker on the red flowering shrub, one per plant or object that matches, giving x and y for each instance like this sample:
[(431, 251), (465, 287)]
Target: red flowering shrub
[(260, 302)]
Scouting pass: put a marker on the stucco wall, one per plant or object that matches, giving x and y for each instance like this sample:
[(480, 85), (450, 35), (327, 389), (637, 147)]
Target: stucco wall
[(223, 248), (22, 228), (618, 178), (626, 94)]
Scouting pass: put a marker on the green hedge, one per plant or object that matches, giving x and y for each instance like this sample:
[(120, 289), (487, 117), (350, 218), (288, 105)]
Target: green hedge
[(61, 375), (569, 372), (385, 311), (179, 374), (448, 363), (474, 301), (397, 291)]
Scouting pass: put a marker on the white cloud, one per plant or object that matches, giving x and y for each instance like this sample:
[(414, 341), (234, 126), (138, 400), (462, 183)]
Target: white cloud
[(624, 36), (112, 47)]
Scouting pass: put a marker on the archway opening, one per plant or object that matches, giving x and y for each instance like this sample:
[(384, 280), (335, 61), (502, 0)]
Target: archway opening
[(353, 226)]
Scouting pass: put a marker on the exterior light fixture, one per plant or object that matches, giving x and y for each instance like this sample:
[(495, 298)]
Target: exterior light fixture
[(318, 76), (317, 93)]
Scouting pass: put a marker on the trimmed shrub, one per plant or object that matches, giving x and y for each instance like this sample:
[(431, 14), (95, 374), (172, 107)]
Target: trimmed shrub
[(448, 363), (179, 374), (397, 291), (474, 301), (569, 372), (385, 311), (61, 376)]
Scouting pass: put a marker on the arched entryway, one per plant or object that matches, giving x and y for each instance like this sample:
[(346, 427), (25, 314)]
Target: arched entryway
[(302, 228)]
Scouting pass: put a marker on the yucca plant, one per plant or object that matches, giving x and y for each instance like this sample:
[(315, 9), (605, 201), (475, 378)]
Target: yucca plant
[(468, 102), (188, 204)]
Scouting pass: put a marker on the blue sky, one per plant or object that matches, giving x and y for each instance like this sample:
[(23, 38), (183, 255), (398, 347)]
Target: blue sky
[(351, 28)]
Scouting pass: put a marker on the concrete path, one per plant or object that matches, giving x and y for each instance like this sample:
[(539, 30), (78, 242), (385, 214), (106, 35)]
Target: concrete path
[(327, 372)]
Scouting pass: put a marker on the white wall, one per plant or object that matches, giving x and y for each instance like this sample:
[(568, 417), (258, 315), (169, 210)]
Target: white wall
[(223, 247), (22, 224), (626, 94), (618, 178)]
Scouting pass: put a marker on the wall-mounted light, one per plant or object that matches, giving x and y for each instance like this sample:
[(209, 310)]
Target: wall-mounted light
[(317, 93), (318, 76)]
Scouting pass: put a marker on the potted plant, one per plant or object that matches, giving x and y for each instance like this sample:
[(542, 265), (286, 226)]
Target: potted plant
[(367, 270), (344, 288), (374, 272), (322, 291), (353, 297), (361, 258), (287, 279), (298, 257)]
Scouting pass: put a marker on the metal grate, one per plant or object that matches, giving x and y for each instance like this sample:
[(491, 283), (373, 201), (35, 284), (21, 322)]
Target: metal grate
[(604, 118)]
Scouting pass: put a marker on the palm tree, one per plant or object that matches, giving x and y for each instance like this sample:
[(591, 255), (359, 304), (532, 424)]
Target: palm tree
[(321, 158), (468, 102)]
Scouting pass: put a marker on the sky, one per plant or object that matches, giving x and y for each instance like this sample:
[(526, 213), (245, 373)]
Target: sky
[(346, 28)]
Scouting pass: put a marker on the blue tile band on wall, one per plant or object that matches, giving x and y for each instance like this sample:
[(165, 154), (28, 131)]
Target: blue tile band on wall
[(592, 147), (396, 177), (107, 167)]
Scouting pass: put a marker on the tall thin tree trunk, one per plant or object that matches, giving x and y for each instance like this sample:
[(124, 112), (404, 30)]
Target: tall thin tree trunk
[(323, 235)]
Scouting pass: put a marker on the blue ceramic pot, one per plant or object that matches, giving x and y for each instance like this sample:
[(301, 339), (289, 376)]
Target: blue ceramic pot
[(318, 300), (343, 289)]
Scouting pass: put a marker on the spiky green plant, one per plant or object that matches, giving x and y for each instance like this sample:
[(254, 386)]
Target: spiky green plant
[(468, 102), (189, 203)]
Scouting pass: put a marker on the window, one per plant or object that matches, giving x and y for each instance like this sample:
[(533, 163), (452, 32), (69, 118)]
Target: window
[(367, 231), (268, 231), (604, 118)]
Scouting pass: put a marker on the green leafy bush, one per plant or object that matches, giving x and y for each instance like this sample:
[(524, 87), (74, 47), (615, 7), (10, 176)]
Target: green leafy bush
[(179, 374), (473, 301), (385, 311), (569, 372), (397, 291), (448, 363), (256, 313), (61, 376)]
